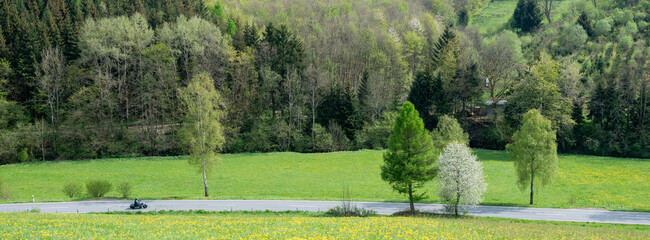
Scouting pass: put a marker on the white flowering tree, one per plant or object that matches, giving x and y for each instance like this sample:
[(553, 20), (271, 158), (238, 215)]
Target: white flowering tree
[(460, 177)]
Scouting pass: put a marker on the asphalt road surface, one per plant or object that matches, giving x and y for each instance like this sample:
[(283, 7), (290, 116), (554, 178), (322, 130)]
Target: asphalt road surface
[(573, 215)]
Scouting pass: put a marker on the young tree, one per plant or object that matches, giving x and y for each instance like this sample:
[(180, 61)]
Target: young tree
[(409, 161), (534, 151), (460, 177), (202, 131), (50, 74), (448, 131)]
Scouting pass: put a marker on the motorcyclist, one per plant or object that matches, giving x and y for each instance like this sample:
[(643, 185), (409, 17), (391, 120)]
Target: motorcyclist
[(136, 203)]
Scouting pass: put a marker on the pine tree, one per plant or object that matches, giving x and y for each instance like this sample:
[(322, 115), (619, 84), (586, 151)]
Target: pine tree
[(363, 95), (409, 160), (437, 49)]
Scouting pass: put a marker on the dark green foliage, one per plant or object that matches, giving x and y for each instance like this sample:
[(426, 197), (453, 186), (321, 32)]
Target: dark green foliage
[(338, 107), (463, 17), (527, 16), (286, 49), (98, 188), (409, 160), (585, 22), (429, 98)]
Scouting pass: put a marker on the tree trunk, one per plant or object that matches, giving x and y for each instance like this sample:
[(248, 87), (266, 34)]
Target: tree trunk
[(411, 197), (532, 178), (205, 180)]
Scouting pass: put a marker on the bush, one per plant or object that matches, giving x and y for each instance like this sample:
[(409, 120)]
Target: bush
[(573, 38), (124, 189), (5, 192), (72, 190), (98, 188), (602, 27), (350, 211), (626, 42)]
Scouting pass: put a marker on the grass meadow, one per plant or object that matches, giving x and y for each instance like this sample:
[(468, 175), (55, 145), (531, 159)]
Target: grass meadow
[(296, 226), (497, 13), (582, 181)]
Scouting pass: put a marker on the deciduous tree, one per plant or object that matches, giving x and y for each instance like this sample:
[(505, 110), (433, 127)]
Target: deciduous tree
[(202, 132), (534, 151), (460, 178)]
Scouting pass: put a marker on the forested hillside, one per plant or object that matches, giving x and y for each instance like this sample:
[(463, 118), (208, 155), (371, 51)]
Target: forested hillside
[(99, 78)]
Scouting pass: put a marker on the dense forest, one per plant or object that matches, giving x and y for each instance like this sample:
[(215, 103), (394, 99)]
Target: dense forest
[(100, 78)]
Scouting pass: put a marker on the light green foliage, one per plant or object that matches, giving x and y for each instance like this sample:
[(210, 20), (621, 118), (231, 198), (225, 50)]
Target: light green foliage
[(5, 192), (375, 136), (630, 28), (124, 189), (72, 189), (448, 131), (413, 49), (409, 160), (98, 188), (626, 42), (623, 16), (602, 27), (534, 151), (199, 45), (461, 178), (202, 132), (541, 91), (572, 38), (322, 139), (232, 28)]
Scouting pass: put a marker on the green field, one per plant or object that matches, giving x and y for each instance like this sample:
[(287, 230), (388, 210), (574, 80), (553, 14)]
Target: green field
[(497, 13), (583, 181), (295, 226)]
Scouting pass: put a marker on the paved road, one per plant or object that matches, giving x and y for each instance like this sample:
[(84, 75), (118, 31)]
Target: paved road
[(574, 215)]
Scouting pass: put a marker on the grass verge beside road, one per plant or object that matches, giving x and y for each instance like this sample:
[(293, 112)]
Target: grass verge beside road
[(582, 181)]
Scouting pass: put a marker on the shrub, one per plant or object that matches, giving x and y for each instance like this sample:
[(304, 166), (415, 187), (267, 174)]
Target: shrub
[(602, 27), (98, 188), (347, 209), (5, 192), (573, 38), (350, 211), (626, 42), (72, 190), (124, 189)]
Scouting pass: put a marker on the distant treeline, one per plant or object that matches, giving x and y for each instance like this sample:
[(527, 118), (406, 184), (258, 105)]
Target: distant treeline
[(99, 78)]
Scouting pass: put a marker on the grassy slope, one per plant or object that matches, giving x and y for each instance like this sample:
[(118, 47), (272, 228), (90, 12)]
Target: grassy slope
[(497, 13), (583, 181), (302, 226)]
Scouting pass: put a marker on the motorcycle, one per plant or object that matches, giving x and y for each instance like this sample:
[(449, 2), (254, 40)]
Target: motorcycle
[(138, 205)]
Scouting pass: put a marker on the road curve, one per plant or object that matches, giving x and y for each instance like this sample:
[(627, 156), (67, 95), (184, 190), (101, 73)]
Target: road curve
[(572, 215)]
